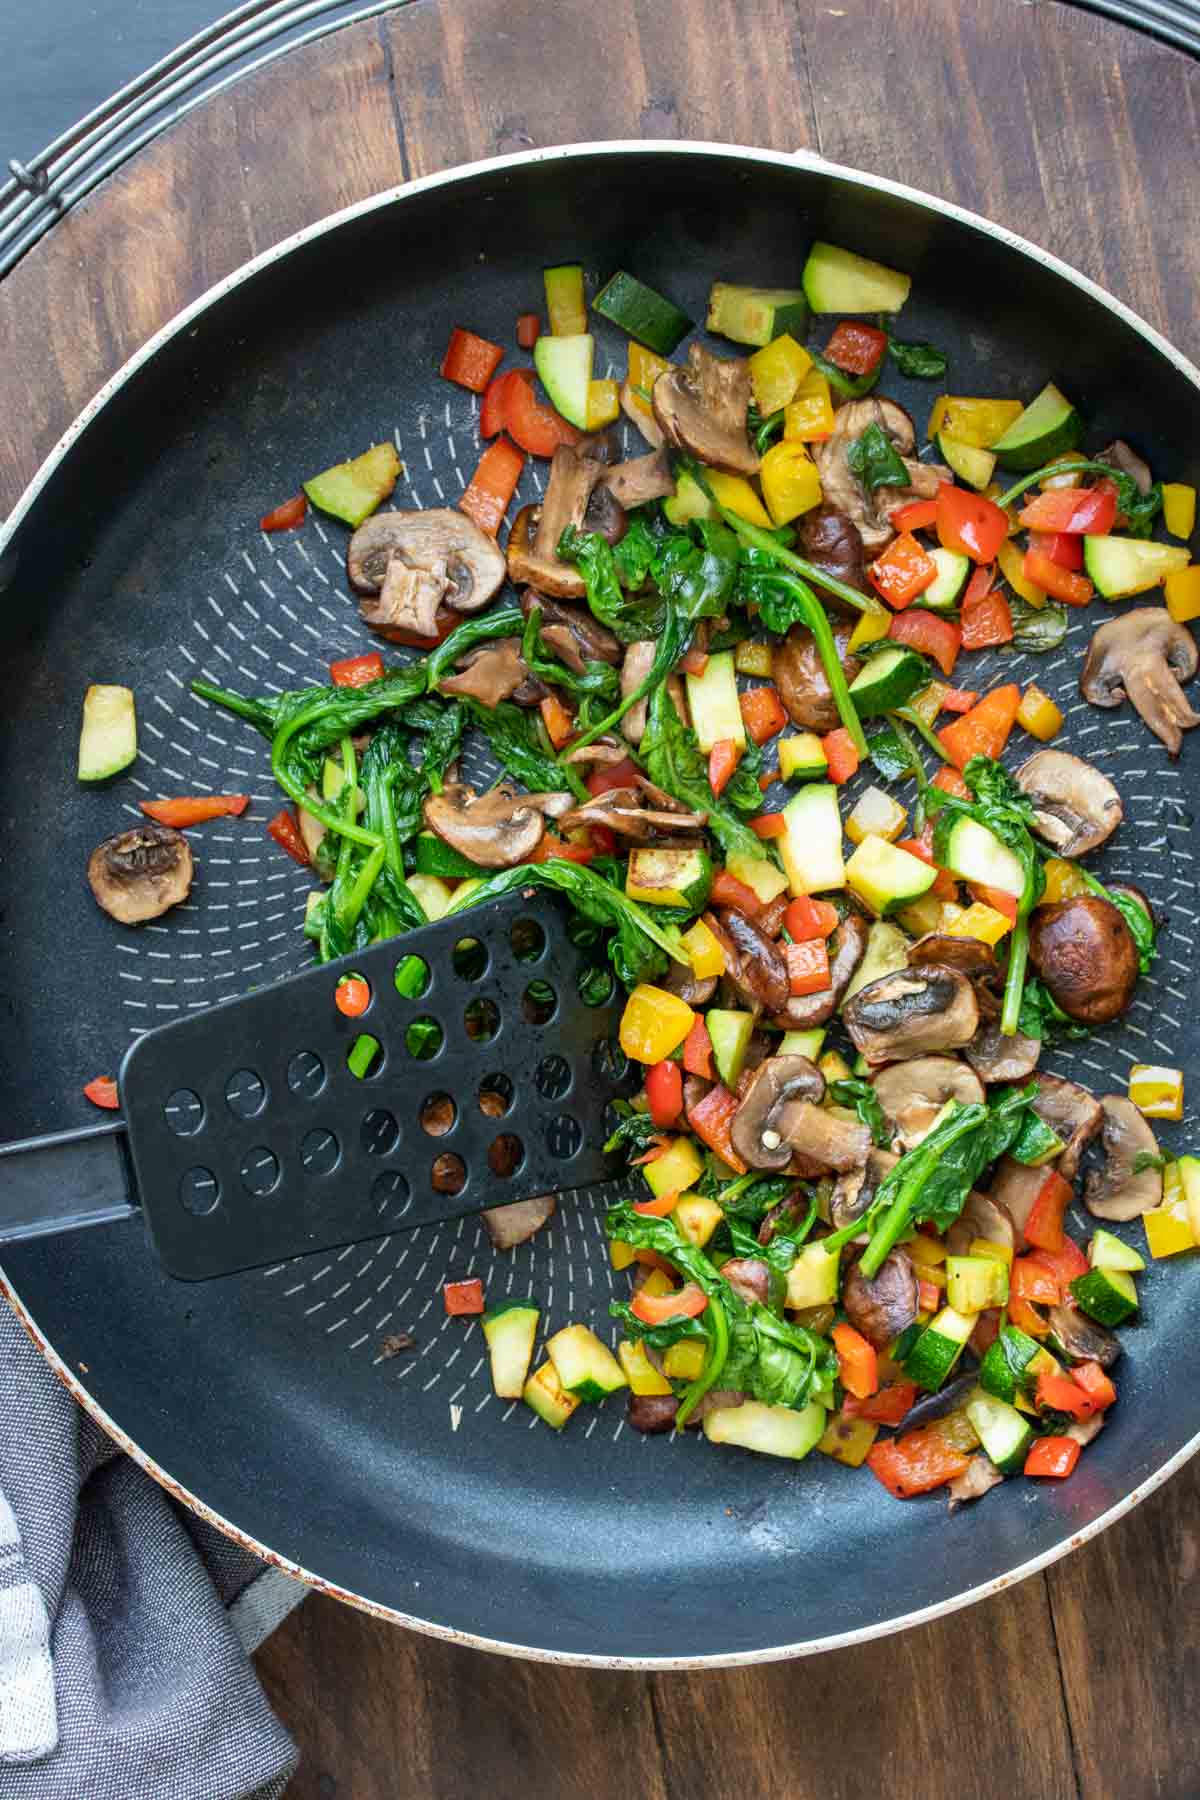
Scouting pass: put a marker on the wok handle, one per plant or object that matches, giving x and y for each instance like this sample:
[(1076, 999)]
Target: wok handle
[(62, 1182)]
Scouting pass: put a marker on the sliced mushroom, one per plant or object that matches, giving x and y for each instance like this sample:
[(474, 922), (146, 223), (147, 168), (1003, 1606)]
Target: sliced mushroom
[(854, 1191), (1073, 1113), (913, 1093), (799, 675), (640, 479), (702, 408), (832, 541), (1076, 808), (1119, 1190), (975, 960), (508, 1226), (1015, 1187), (978, 1478), (1143, 656), (1080, 1338), (912, 1012), (489, 674), (141, 873), (995, 1057), (694, 990), (847, 947), (1122, 457), (983, 1216), (749, 1278), (498, 829), (639, 413), (441, 544), (885, 1306), (871, 513), (1084, 952), (1085, 1431), (605, 515), (571, 632), (652, 1412), (786, 1212), (624, 810), (639, 660), (533, 541), (759, 971), (755, 1133)]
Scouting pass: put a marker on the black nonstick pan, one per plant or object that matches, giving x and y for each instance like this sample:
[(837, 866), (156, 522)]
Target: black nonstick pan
[(265, 1398)]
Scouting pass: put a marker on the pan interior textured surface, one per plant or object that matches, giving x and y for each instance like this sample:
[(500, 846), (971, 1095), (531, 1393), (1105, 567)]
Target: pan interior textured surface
[(266, 1394)]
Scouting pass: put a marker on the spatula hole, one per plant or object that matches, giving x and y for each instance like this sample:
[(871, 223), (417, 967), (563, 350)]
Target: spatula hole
[(469, 959), (482, 1020), (184, 1112), (553, 1077), (528, 940), (199, 1190), (306, 1074), (495, 1096), (448, 1174), (245, 1093), (365, 1056), (609, 1060), (595, 985), (390, 1194), (539, 1003), (438, 1114), (424, 1038), (380, 1132), (319, 1151), (505, 1155), (412, 977), (564, 1136), (259, 1171)]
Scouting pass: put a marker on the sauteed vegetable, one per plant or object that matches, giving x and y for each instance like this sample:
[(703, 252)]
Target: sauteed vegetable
[(851, 1220)]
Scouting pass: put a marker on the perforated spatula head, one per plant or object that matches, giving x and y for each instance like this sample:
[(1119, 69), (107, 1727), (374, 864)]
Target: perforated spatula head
[(479, 1074)]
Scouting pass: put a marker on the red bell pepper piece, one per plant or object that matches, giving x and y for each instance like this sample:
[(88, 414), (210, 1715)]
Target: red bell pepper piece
[(807, 966), (603, 839), (529, 330), (1066, 1262), (840, 754), (1089, 512), (723, 759), (536, 428), (664, 1093), (986, 622), (916, 1463), (559, 723), (655, 1309), (1058, 1393), (286, 516), (985, 730), (493, 414), (352, 996), (606, 776), (902, 572), (1095, 1384), (1044, 1226), (693, 662), (357, 671), (548, 847), (855, 347), (969, 524), (1060, 584), (727, 890), (1026, 1319), (659, 1207), (711, 1119), (951, 782), (463, 1296), (194, 810), (1033, 1282), (929, 1295), (918, 515), (445, 621), (284, 829), (1064, 548), (697, 1051), (959, 700), (762, 713), (492, 486), (1053, 1456), (858, 1363), (769, 825), (888, 1407), (930, 634), (469, 360), (983, 580), (807, 918), (999, 899), (102, 1091)]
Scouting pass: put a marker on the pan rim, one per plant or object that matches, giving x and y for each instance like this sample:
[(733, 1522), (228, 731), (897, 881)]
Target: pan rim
[(166, 333)]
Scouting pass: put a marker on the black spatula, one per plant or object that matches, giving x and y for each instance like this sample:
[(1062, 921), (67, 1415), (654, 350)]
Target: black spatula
[(274, 1125)]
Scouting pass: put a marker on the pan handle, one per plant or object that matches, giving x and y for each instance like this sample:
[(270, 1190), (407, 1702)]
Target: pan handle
[(61, 1182)]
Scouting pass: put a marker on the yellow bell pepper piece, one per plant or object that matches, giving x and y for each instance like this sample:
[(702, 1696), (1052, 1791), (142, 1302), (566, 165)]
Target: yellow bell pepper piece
[(654, 1023), (927, 703), (977, 422), (1188, 1171), (790, 482), (622, 1254), (640, 1372), (1063, 881), (735, 492), (1183, 593), (705, 951), (684, 1361), (1157, 1092), (925, 915), (603, 404), (1038, 714), (777, 371), (645, 367), (1179, 508), (657, 1283), (981, 922), (988, 1247), (676, 1170), (847, 1440), (876, 813), (871, 627), (926, 1252), (1011, 560), (809, 414), (750, 658), (1166, 1232)]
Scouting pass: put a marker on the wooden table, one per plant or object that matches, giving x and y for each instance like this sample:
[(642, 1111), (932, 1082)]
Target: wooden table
[(1072, 130)]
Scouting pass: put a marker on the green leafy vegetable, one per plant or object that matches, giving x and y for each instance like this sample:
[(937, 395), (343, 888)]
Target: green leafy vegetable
[(850, 387), (1042, 1017), (507, 622), (872, 458), (632, 619), (861, 1096), (1146, 1159), (1141, 925), (673, 761), (635, 1132), (921, 361), (513, 736), (784, 600), (633, 557), (1036, 628), (598, 678)]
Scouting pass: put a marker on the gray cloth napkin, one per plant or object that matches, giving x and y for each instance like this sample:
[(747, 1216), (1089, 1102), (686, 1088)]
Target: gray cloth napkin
[(124, 1620)]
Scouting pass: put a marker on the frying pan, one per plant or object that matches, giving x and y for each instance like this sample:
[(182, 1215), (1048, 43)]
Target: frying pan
[(264, 1399)]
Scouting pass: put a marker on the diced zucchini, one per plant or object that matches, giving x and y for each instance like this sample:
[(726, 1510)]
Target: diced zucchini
[(1003, 1433), (645, 315), (973, 1283), (890, 679), (811, 848), (432, 892), (885, 877), (944, 592), (832, 1065), (510, 1331), (802, 757), (713, 702), (730, 1034), (848, 1440), (1047, 428), (750, 315), (1107, 1251), (925, 915), (564, 366), (668, 877), (1121, 566), (314, 914), (974, 466), (676, 1170), (433, 856), (689, 501), (970, 850), (764, 878), (565, 306), (839, 281), (771, 1430), (887, 951), (352, 490), (640, 1372), (876, 815), (752, 657), (586, 1367), (108, 737), (544, 1392), (802, 1043), (1107, 1295), (1035, 1143), (938, 1348), (813, 1278), (697, 1217), (1006, 1369)]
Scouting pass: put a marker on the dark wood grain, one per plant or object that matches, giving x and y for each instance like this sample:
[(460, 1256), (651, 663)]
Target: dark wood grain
[(1073, 131)]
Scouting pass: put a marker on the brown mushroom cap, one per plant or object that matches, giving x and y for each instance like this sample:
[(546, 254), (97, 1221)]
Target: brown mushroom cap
[(749, 1278), (995, 1057), (777, 1081), (1015, 1187), (799, 675), (1084, 952), (970, 956), (702, 408), (885, 1306), (605, 515), (911, 1012), (1143, 656), (1076, 808), (846, 947), (758, 970), (498, 829), (141, 873), (571, 632), (1116, 1191), (1081, 1338), (508, 1226), (1122, 456), (831, 541), (871, 513), (982, 1216), (1073, 1113), (913, 1093), (640, 479), (425, 541)]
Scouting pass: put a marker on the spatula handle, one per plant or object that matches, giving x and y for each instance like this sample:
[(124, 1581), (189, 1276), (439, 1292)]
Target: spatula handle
[(64, 1181)]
